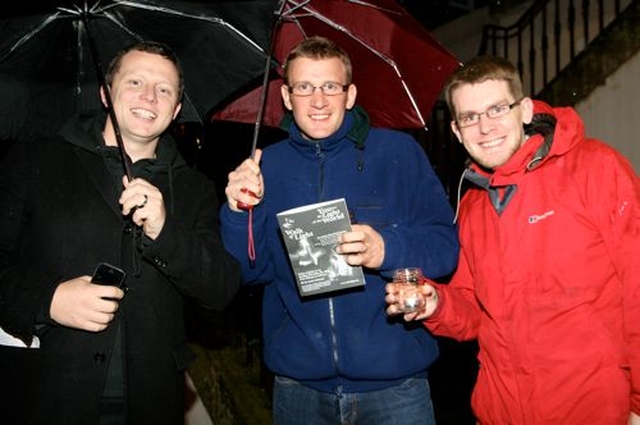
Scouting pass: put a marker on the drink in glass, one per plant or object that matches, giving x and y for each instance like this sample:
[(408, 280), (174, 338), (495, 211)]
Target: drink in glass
[(410, 297)]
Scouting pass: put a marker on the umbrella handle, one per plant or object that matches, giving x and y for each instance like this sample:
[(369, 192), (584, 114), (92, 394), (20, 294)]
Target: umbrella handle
[(243, 206), (251, 250)]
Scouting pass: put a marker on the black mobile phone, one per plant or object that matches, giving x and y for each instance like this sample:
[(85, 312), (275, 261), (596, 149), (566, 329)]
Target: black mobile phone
[(107, 274)]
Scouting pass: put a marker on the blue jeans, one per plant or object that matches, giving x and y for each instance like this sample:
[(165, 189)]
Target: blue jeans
[(405, 404)]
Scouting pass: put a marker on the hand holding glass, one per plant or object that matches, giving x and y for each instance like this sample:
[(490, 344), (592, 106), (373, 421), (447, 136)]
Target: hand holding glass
[(410, 298)]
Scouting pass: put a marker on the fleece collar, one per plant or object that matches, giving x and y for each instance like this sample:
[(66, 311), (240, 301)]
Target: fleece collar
[(355, 128)]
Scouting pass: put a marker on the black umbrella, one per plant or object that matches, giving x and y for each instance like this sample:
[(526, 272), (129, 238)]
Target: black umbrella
[(49, 70)]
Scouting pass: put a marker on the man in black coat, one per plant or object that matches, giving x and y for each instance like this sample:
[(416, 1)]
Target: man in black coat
[(85, 353)]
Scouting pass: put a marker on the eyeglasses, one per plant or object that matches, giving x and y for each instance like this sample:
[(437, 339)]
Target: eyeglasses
[(495, 112), (330, 88)]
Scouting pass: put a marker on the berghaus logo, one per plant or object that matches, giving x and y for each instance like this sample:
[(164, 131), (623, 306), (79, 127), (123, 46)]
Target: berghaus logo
[(533, 219)]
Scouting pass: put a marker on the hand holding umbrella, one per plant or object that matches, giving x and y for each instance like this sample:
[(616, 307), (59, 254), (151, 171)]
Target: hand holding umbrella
[(246, 184), (145, 203)]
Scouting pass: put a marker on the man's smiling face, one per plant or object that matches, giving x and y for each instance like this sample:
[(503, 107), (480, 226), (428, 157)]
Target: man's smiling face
[(318, 116), (490, 142), (145, 95)]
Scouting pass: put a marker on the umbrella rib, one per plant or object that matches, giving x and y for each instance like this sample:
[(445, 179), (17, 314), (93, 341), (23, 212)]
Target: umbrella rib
[(30, 34), (296, 7), (335, 25), (365, 3), (187, 15), (120, 25), (412, 100)]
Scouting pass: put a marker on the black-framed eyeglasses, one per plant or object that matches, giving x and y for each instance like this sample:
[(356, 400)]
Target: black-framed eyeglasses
[(495, 112), (330, 88)]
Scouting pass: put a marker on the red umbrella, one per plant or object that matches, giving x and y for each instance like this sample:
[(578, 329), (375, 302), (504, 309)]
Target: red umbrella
[(399, 67)]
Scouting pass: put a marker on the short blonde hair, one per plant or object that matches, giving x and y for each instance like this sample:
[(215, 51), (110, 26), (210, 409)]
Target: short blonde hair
[(318, 48)]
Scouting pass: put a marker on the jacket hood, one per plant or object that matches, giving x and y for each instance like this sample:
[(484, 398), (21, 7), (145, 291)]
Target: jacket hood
[(552, 133), (86, 133)]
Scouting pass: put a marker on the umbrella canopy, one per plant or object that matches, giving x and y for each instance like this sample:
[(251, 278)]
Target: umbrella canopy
[(48, 70), (397, 65)]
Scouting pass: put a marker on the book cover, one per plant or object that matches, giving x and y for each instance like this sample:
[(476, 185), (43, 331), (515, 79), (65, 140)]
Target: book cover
[(311, 233)]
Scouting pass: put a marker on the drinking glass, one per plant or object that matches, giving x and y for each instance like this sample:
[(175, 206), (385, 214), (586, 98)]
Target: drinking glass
[(410, 297)]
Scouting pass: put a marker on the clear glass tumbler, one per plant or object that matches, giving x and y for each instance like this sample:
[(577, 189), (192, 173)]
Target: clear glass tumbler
[(410, 297)]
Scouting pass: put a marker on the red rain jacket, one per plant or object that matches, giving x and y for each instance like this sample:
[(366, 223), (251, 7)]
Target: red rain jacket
[(550, 286)]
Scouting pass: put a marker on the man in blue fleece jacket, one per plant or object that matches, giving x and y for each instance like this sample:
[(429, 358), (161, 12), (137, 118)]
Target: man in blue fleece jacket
[(339, 357)]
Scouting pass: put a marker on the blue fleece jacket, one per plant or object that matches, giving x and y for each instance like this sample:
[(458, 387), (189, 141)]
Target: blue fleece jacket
[(344, 341)]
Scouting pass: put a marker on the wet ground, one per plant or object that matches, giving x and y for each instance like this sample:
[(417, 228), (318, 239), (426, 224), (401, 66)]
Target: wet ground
[(229, 347)]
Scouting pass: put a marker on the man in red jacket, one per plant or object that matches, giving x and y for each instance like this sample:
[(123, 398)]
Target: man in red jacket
[(548, 279)]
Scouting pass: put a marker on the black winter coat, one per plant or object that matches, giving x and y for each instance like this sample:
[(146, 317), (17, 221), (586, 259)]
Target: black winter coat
[(59, 217)]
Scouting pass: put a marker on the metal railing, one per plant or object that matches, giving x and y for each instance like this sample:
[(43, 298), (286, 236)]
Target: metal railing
[(541, 43), (549, 35)]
